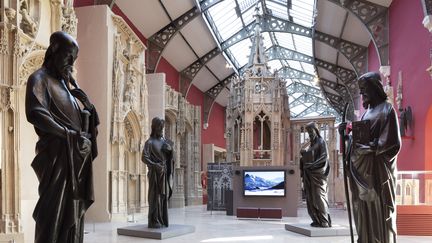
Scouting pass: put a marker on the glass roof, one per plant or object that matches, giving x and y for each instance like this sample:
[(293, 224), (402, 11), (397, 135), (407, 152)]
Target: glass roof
[(228, 18)]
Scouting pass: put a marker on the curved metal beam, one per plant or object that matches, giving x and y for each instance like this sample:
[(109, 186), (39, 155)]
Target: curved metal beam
[(356, 54), (307, 98), (375, 18), (279, 52), (287, 72), (158, 42), (211, 94), (188, 74), (318, 109)]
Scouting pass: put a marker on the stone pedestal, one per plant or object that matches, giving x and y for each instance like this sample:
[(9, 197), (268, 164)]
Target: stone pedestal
[(163, 233), (306, 229)]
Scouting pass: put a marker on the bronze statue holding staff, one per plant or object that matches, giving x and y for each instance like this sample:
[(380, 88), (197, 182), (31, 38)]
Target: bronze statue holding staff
[(66, 146), (372, 152)]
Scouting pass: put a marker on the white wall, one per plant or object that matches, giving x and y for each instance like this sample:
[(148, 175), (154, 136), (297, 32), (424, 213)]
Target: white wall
[(156, 99), (94, 63)]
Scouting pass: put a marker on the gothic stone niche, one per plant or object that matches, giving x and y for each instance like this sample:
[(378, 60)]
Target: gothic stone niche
[(28, 16), (129, 124), (257, 118), (31, 63), (219, 180), (183, 127), (21, 55)]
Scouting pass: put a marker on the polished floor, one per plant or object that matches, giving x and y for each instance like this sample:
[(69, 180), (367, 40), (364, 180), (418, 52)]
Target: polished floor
[(217, 227)]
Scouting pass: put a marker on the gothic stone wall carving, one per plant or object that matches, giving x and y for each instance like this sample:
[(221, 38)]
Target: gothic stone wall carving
[(22, 46), (129, 122), (184, 128)]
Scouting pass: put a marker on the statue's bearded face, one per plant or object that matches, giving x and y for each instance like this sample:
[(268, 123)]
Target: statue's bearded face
[(368, 93), (64, 59), (311, 133)]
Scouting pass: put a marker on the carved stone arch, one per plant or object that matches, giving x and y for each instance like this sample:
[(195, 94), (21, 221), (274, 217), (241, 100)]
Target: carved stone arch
[(133, 130), (30, 64), (170, 124)]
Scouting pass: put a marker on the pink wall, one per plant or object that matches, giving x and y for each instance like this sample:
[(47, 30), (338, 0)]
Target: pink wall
[(171, 74), (215, 129), (373, 61), (409, 53), (82, 3)]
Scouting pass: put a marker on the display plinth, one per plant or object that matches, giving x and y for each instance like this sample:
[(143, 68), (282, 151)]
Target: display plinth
[(162, 233), (306, 229)]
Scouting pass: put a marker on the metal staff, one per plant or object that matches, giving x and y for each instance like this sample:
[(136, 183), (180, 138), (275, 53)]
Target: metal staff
[(345, 163)]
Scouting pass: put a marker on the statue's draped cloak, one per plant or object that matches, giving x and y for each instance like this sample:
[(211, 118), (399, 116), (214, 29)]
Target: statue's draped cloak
[(372, 177), (159, 189), (64, 170), (315, 175)]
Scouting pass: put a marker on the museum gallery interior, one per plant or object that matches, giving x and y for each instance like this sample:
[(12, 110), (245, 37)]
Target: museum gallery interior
[(215, 121)]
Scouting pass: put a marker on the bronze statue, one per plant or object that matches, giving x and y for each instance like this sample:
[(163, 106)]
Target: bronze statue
[(66, 146), (158, 155), (315, 168), (372, 152)]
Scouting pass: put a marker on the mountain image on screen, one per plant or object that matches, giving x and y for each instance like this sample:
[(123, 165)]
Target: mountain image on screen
[(257, 186)]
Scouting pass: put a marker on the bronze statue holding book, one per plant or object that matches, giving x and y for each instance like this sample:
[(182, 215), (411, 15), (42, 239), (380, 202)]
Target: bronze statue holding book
[(371, 156), (315, 168)]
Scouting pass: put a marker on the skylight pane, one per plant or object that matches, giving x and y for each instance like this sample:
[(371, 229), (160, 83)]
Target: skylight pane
[(298, 109), (308, 68), (277, 9), (267, 40), (302, 12), (225, 18), (295, 65), (275, 65), (241, 51), (285, 40), (303, 44), (249, 16), (246, 4)]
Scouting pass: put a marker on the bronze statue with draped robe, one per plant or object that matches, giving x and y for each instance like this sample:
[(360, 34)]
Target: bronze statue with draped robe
[(66, 146), (158, 156), (315, 168), (372, 152)]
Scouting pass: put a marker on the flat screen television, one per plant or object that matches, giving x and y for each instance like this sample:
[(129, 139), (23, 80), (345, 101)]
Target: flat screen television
[(264, 183)]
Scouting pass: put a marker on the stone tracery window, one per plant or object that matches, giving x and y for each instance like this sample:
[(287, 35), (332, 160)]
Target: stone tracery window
[(262, 132), (237, 136)]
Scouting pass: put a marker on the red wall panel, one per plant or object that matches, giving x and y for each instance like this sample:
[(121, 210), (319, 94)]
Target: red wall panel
[(82, 3), (409, 53), (216, 129)]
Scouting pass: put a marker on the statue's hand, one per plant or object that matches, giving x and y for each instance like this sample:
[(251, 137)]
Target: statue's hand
[(84, 144), (160, 168), (342, 128), (81, 96), (364, 149)]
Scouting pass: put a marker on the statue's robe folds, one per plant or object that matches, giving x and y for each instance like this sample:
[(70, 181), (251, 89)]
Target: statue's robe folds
[(315, 173), (159, 163), (372, 177), (62, 166)]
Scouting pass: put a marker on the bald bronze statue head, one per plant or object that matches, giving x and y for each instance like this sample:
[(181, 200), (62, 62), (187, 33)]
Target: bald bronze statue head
[(61, 55)]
